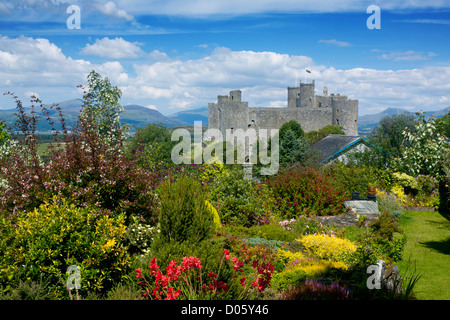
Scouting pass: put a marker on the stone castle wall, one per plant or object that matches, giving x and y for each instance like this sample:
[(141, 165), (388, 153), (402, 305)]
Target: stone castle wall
[(312, 111)]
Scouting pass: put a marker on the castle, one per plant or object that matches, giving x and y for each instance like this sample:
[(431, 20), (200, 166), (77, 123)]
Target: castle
[(312, 111)]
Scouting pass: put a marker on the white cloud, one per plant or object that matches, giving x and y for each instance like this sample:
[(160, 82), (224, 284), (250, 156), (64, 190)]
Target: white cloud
[(409, 55), (428, 21), (150, 106), (336, 43), (37, 65), (158, 55), (110, 9), (204, 8), (116, 48), (264, 76)]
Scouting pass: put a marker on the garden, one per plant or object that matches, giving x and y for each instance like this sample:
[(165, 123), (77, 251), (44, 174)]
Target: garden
[(137, 227)]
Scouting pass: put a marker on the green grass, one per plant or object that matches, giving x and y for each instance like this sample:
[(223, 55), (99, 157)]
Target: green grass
[(428, 249)]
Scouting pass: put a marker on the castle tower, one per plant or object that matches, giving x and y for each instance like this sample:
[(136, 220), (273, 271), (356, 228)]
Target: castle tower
[(293, 94), (307, 95)]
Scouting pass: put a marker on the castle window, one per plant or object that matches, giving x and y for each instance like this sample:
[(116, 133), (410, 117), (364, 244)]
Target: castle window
[(320, 104)]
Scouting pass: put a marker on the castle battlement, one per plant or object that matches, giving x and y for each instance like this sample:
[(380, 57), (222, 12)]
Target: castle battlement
[(312, 111)]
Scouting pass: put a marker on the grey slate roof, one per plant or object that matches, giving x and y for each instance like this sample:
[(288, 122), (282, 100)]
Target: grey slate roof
[(334, 144)]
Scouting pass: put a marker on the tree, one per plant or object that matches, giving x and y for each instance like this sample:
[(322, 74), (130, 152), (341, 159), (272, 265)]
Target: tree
[(425, 149), (292, 125), (315, 136), (153, 145), (389, 134), (443, 125), (4, 135), (292, 148), (101, 109)]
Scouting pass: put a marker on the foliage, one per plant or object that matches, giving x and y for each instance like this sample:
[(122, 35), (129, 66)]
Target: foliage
[(152, 146), (4, 135), (315, 136), (306, 225), (101, 110), (184, 214), (388, 135), (87, 172), (305, 191), (292, 126), (443, 125), (383, 236), (29, 290), (327, 247), (214, 213), (358, 178), (47, 240), (236, 198), (425, 149), (312, 289), (140, 236), (388, 201), (187, 280), (292, 149)]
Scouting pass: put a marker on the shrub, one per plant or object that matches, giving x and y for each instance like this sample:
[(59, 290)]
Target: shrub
[(272, 232), (326, 247), (315, 290), (184, 214), (388, 239), (235, 198), (140, 236), (388, 202), (87, 171), (49, 239), (357, 178), (305, 191)]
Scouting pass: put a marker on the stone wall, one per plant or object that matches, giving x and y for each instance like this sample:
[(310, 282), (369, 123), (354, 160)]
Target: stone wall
[(313, 112)]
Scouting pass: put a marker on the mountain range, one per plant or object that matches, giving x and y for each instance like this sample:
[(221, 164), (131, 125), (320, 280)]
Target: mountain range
[(368, 122), (139, 116)]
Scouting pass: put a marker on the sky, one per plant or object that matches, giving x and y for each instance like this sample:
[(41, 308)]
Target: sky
[(173, 55)]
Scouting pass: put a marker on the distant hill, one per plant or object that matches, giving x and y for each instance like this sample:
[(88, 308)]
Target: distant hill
[(189, 116), (368, 122), (136, 116)]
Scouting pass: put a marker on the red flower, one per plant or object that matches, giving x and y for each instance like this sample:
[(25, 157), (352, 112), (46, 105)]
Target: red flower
[(226, 253), (138, 273)]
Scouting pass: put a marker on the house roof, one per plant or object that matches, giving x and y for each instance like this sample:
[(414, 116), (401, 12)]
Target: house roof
[(335, 144)]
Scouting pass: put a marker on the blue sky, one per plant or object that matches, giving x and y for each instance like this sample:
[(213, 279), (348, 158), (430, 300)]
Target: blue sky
[(176, 55)]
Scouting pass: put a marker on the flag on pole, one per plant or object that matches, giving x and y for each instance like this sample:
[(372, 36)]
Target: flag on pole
[(308, 71)]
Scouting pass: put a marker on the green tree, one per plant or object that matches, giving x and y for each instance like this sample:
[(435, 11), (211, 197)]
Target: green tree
[(425, 149), (389, 134), (153, 144), (443, 125), (315, 136), (4, 135), (292, 126), (101, 109), (292, 149)]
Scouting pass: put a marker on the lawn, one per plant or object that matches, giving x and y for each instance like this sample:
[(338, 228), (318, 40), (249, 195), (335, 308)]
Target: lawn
[(428, 248)]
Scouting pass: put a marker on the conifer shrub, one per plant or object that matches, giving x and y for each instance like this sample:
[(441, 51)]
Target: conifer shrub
[(184, 214)]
